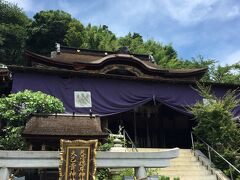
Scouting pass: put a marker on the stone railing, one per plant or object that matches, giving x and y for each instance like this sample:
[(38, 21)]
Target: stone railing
[(50, 159)]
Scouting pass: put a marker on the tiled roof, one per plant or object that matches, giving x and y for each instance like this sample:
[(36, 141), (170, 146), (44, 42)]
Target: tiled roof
[(96, 62)]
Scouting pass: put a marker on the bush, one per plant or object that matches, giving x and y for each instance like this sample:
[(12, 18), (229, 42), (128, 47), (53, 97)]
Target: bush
[(216, 126), (16, 110)]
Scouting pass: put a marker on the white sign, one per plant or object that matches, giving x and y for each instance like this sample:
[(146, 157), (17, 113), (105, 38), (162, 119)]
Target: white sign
[(82, 99)]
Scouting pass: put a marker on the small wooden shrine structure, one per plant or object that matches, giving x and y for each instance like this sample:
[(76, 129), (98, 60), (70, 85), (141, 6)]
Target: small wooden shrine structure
[(44, 132)]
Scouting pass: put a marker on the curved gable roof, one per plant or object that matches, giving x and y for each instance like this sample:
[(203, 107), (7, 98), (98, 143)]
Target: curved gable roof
[(85, 61)]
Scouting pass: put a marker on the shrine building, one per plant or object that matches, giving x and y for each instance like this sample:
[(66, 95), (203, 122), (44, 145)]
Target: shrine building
[(115, 89)]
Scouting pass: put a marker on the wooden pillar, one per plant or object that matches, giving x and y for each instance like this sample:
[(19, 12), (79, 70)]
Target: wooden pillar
[(147, 126), (43, 148), (135, 127), (30, 148), (104, 124), (148, 136)]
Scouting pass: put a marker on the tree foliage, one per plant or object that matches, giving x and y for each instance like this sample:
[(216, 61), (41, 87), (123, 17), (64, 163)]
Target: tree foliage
[(75, 35), (133, 41), (13, 33), (47, 28), (216, 125), (12, 138), (16, 110), (91, 37), (226, 74)]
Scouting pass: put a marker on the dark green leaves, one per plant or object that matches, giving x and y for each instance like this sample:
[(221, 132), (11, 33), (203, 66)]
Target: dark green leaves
[(216, 125), (13, 33), (16, 110), (47, 28)]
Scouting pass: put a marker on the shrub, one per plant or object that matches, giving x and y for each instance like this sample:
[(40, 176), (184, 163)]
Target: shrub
[(216, 126), (15, 111)]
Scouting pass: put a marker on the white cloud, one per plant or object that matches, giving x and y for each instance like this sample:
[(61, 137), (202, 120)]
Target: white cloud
[(185, 12), (232, 58), (235, 11), (189, 12), (29, 5), (76, 8)]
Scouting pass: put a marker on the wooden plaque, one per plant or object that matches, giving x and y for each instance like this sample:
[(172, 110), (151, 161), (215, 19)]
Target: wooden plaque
[(77, 160)]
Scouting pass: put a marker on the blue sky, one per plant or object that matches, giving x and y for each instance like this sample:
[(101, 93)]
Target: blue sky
[(210, 28)]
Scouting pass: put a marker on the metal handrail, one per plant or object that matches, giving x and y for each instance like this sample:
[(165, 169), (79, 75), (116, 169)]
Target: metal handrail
[(209, 154), (132, 143)]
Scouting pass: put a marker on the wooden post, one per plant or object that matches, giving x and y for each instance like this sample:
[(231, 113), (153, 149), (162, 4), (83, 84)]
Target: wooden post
[(43, 147), (147, 122), (135, 127), (30, 148)]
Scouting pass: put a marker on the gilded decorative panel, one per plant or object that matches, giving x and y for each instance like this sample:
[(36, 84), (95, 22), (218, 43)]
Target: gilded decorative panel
[(77, 160)]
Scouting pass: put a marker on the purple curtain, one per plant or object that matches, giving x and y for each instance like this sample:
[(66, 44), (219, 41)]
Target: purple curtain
[(111, 96)]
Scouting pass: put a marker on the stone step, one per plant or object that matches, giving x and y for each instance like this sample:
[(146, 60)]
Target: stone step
[(185, 163), (185, 155), (211, 177), (186, 173), (184, 168), (158, 150), (190, 158), (182, 152)]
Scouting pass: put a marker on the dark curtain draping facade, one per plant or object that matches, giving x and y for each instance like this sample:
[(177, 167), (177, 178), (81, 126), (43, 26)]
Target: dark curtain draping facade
[(111, 96)]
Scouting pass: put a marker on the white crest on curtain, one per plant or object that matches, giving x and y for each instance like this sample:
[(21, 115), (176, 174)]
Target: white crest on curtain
[(82, 99)]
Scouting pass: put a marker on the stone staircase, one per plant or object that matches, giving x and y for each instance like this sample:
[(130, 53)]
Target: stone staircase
[(186, 166)]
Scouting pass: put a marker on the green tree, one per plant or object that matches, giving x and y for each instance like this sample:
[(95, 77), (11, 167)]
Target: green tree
[(75, 36), (198, 62), (226, 74), (216, 126), (47, 28), (16, 110), (164, 55), (109, 39), (134, 42), (100, 38), (12, 33)]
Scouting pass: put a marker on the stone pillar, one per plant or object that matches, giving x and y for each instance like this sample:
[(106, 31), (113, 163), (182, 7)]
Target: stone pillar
[(4, 173), (141, 173)]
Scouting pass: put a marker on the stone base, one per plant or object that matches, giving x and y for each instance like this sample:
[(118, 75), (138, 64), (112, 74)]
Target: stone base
[(118, 149)]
